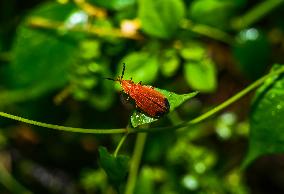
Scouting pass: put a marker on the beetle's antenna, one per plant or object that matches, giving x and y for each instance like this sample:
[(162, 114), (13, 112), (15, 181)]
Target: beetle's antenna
[(111, 79), (123, 69), (119, 79)]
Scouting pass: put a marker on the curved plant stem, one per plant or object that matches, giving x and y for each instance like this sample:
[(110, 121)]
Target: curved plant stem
[(135, 162), (208, 31), (42, 23), (255, 14), (122, 140), (216, 109), (62, 128), (91, 9)]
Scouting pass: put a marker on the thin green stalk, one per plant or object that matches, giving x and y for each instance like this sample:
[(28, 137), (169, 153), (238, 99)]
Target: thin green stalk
[(208, 31), (135, 163), (122, 140), (62, 128), (255, 14)]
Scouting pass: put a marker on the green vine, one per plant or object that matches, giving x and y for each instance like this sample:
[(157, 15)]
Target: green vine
[(122, 140), (62, 128), (255, 14)]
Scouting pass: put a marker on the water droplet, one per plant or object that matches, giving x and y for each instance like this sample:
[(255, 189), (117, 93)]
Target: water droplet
[(76, 18), (249, 34), (228, 118), (190, 182)]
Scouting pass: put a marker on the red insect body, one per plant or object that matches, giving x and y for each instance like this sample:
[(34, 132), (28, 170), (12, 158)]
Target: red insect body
[(146, 98)]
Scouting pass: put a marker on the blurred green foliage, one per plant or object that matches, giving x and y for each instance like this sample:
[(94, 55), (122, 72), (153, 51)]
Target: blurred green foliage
[(55, 56)]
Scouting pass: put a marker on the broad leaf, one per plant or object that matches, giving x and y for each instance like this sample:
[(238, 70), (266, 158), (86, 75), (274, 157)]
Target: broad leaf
[(115, 167), (201, 75), (212, 12), (170, 62), (266, 120), (160, 18), (43, 58), (175, 100), (140, 66)]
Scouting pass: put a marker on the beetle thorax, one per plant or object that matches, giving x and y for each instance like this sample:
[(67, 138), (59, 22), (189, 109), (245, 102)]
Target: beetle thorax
[(127, 85)]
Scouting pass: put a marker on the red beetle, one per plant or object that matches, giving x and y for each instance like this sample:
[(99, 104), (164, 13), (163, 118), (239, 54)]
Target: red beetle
[(146, 98)]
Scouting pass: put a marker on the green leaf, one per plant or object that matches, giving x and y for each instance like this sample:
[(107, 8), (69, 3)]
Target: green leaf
[(266, 120), (193, 51), (140, 66), (160, 18), (170, 62), (253, 52), (212, 12), (42, 58), (175, 100), (201, 75), (115, 167), (138, 118)]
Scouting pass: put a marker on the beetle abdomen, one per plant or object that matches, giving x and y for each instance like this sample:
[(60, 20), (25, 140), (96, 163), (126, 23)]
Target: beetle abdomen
[(150, 101)]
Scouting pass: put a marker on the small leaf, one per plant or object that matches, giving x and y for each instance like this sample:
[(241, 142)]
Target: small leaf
[(169, 62), (160, 18), (201, 75), (115, 167), (141, 66), (266, 120), (138, 118), (212, 12), (175, 100), (193, 51)]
